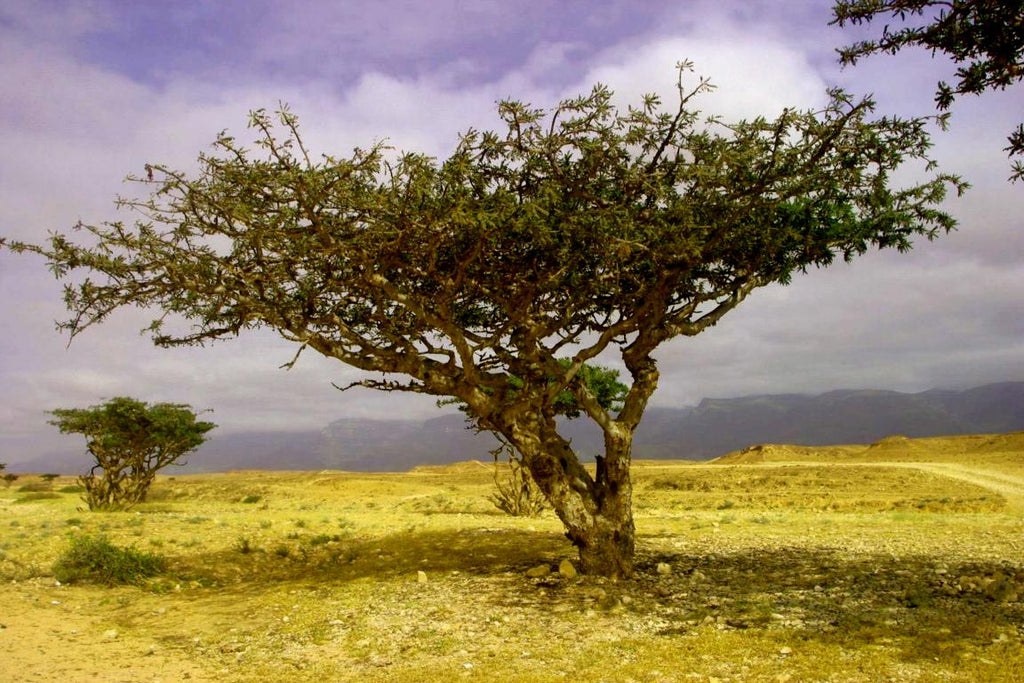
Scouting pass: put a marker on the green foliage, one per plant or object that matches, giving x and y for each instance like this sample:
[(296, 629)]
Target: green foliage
[(130, 442), (9, 479), (984, 37), (98, 560), (602, 383)]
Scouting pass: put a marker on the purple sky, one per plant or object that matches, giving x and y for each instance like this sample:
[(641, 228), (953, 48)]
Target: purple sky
[(91, 91)]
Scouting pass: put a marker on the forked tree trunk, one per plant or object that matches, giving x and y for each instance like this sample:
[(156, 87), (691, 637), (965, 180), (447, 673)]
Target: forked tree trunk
[(597, 510)]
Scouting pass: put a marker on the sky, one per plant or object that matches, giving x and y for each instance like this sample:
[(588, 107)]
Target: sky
[(92, 90)]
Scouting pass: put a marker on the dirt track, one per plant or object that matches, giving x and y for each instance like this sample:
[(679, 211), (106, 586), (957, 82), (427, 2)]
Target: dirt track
[(1012, 487)]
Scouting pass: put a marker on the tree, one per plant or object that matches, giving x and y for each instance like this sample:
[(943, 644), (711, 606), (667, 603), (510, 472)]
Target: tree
[(130, 441), (582, 231), (9, 479), (984, 37)]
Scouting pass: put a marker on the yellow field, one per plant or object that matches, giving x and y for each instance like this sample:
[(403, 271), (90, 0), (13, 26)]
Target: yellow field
[(903, 561)]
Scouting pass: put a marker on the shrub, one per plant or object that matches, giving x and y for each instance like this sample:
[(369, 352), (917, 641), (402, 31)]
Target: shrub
[(515, 492), (243, 544), (97, 559), (323, 539)]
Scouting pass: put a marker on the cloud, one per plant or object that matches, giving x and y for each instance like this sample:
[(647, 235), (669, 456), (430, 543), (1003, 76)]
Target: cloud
[(100, 106)]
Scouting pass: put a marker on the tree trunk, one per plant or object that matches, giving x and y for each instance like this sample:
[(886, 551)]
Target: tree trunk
[(608, 544), (596, 510)]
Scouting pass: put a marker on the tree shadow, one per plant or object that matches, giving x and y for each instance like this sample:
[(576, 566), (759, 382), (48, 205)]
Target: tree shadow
[(921, 607), (343, 558)]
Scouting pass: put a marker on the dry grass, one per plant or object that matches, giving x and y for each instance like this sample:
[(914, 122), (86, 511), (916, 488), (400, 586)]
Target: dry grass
[(851, 567)]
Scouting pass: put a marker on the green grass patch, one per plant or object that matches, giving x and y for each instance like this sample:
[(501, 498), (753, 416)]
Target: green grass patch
[(38, 495), (97, 560)]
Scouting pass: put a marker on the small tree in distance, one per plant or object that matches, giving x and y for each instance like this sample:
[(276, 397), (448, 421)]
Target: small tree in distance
[(130, 442), (498, 274)]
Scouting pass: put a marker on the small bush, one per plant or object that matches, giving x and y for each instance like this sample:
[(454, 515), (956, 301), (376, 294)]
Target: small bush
[(243, 545), (97, 559), (252, 498), (323, 539), (515, 492), (34, 487), (73, 488)]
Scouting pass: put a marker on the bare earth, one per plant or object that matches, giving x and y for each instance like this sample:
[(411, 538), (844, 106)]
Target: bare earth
[(778, 565)]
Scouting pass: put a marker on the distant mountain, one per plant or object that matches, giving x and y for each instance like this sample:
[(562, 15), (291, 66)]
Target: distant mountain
[(718, 426), (708, 430), (355, 444)]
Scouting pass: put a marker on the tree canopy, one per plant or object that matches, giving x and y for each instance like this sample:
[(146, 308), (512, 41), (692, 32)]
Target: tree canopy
[(496, 275), (984, 37), (130, 441)]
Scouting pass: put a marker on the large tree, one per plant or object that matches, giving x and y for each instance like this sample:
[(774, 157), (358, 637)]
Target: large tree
[(130, 441), (985, 38), (495, 275)]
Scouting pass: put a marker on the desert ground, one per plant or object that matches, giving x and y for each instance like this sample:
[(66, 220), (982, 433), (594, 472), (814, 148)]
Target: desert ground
[(898, 561)]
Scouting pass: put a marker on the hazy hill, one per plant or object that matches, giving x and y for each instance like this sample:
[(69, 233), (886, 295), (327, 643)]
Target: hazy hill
[(976, 449), (708, 430), (718, 426)]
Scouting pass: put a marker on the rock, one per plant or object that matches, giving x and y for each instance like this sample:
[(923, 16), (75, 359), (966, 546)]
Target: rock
[(566, 569), (421, 576), (538, 571), (110, 634), (663, 568)]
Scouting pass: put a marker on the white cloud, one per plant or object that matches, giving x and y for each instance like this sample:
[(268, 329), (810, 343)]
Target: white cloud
[(72, 129)]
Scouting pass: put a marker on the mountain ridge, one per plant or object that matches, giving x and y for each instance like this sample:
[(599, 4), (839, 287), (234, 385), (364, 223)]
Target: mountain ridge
[(710, 429)]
